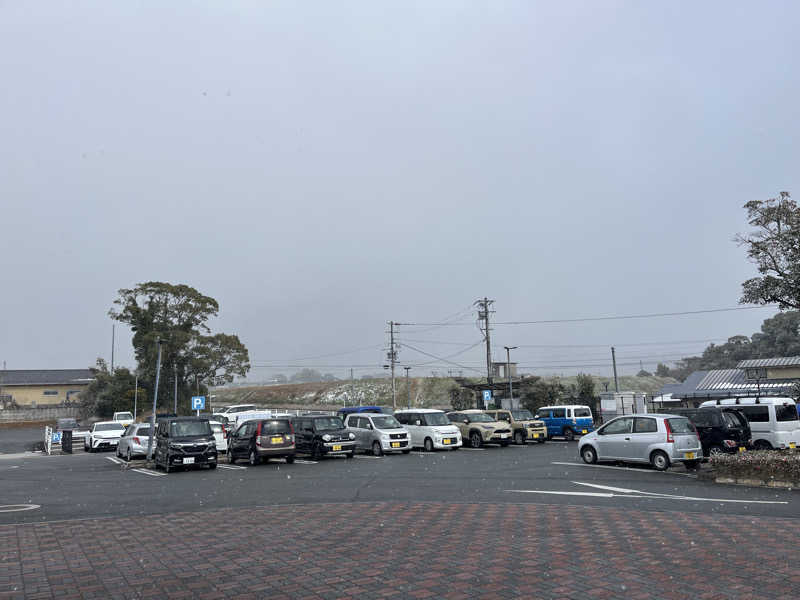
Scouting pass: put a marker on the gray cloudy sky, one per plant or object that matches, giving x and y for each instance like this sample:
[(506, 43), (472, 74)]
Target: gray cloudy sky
[(322, 168)]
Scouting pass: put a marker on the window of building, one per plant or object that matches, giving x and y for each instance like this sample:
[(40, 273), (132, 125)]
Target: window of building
[(51, 392)]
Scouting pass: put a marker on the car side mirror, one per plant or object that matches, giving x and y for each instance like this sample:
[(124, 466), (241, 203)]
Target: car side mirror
[(417, 423), (466, 421)]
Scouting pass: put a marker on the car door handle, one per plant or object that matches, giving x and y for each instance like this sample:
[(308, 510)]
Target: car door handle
[(627, 439)]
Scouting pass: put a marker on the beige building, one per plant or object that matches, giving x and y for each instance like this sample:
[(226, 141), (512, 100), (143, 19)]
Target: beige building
[(52, 387)]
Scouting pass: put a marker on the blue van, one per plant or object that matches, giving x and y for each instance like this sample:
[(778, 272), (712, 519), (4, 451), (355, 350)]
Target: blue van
[(569, 421), (348, 410)]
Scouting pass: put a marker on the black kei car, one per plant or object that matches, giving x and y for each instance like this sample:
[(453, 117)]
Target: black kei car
[(184, 442), (322, 435), (721, 429)]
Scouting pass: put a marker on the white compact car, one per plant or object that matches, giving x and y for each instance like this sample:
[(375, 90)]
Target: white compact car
[(104, 435), (429, 429), (219, 436)]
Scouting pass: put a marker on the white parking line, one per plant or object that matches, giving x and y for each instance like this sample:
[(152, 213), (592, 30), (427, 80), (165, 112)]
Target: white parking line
[(148, 472), (115, 460), (474, 449), (232, 467), (632, 470), (367, 456), (300, 461)]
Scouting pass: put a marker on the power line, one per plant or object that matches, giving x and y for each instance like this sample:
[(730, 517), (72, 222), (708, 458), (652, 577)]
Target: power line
[(442, 359), (373, 347), (610, 318)]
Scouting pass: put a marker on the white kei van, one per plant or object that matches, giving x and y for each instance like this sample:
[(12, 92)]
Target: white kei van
[(774, 422), (430, 429)]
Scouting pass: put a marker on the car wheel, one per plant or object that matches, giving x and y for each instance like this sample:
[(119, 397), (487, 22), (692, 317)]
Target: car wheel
[(475, 440), (763, 445), (589, 455), (504, 443), (692, 464), (351, 454), (212, 465), (376, 449), (569, 435), (289, 460), (542, 440), (231, 458), (519, 438), (428, 445), (316, 454), (715, 450), (659, 460), (254, 459)]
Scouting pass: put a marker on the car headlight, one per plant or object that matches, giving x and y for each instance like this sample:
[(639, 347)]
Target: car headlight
[(327, 438), (352, 435)]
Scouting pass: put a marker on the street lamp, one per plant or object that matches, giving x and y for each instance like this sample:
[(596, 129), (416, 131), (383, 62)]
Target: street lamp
[(159, 341), (508, 372)]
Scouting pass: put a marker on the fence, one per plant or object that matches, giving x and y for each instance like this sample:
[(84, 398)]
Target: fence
[(44, 413)]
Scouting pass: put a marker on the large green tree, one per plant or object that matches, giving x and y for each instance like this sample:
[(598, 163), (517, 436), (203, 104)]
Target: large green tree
[(178, 316)]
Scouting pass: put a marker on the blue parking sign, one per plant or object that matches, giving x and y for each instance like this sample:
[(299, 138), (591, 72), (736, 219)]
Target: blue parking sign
[(198, 402), (487, 395)]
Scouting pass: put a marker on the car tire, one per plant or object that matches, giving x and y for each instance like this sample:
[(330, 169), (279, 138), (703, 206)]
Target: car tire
[(289, 460), (128, 456), (715, 450), (692, 464), (475, 440), (519, 438), (376, 449), (659, 460), (428, 445), (569, 435), (542, 441), (505, 443), (316, 454), (254, 458), (762, 445), (212, 465), (231, 458), (589, 455)]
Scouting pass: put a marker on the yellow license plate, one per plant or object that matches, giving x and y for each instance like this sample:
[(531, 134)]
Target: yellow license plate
[(535, 435), (395, 444), (742, 448), (689, 455), (583, 431), (446, 441), (337, 448), (792, 445), (277, 440)]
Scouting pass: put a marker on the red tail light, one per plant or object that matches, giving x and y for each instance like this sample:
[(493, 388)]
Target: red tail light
[(258, 434), (670, 439), (291, 428), (136, 441)]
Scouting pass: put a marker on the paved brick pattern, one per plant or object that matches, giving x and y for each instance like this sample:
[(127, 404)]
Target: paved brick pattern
[(404, 550)]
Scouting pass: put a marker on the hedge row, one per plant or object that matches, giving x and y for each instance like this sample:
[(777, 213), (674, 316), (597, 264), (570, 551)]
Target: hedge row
[(763, 465)]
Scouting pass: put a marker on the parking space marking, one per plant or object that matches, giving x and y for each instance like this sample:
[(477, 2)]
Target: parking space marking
[(115, 460), (148, 472), (300, 461), (367, 456), (4, 508), (630, 469), (232, 467), (473, 449)]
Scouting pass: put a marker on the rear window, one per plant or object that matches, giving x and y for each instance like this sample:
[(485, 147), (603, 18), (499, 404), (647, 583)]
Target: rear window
[(786, 412), (277, 426), (582, 413), (142, 431), (109, 427), (681, 425), (125, 416), (732, 419), (705, 418)]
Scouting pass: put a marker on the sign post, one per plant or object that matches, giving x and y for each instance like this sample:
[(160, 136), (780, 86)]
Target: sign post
[(198, 403)]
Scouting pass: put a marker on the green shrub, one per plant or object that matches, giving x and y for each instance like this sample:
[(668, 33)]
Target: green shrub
[(764, 465)]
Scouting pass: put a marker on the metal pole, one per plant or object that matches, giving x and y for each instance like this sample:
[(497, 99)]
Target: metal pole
[(113, 327), (393, 357), (155, 403), (352, 389), (408, 388), (135, 395), (175, 379), (508, 372), (614, 361)]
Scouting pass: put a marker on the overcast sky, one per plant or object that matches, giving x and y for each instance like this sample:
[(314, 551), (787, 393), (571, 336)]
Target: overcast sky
[(322, 168)]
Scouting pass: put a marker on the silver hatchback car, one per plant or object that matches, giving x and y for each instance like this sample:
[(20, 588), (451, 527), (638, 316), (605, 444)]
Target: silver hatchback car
[(134, 441), (647, 438), (378, 433)]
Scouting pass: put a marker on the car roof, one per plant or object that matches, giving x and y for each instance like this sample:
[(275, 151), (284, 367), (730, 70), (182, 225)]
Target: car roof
[(419, 410), (734, 402), (108, 423)]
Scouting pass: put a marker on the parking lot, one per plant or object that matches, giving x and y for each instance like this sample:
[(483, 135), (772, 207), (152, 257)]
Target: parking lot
[(469, 523)]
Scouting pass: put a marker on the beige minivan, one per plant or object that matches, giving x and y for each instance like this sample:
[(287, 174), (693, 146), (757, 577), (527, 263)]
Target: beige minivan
[(479, 428)]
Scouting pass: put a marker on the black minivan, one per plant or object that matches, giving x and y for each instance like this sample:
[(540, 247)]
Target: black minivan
[(322, 435), (184, 442), (721, 429)]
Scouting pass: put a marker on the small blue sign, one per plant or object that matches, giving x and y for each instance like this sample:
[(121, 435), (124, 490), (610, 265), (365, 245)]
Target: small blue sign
[(56, 438), (198, 402), (487, 395)]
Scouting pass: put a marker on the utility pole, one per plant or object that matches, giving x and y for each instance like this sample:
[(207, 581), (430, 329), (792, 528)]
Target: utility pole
[(352, 388), (175, 379), (408, 388), (159, 341), (113, 328), (508, 372), (392, 356), (135, 394), (614, 362), (483, 314)]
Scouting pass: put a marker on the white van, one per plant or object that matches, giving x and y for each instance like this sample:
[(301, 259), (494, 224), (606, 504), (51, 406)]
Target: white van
[(429, 428), (774, 422)]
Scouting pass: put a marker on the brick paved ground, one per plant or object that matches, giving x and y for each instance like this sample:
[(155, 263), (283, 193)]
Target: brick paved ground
[(402, 550)]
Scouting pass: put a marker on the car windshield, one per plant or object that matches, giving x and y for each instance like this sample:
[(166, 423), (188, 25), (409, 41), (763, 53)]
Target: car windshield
[(126, 416), (681, 425), (437, 418), (387, 422), (189, 428), (328, 423), (786, 412), (479, 417), (582, 413), (521, 415), (109, 427)]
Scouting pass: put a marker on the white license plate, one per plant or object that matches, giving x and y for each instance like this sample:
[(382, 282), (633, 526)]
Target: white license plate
[(503, 436), (189, 460)]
